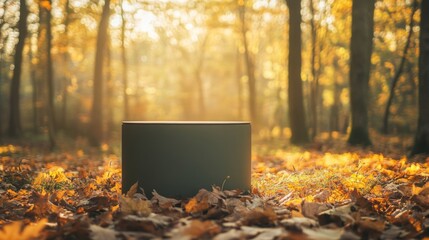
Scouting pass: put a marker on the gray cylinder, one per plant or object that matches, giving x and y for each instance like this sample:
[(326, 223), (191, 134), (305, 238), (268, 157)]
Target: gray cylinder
[(178, 158)]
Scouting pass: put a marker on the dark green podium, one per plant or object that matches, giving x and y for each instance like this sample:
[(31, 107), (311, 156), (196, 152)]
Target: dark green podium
[(178, 158)]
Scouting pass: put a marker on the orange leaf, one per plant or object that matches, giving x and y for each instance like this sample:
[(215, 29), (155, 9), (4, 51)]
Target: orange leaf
[(15, 230)]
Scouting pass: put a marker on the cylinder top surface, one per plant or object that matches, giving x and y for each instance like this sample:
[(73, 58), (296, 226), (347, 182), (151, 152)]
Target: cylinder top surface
[(186, 122)]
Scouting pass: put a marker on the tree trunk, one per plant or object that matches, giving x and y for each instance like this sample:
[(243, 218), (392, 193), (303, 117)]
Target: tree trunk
[(334, 119), (295, 93), (239, 73), (96, 124), (399, 71), (250, 71), (124, 65), (66, 58), (109, 88), (360, 63), (314, 86), (14, 110), (34, 90), (41, 71), (2, 57), (200, 83), (50, 79), (421, 142)]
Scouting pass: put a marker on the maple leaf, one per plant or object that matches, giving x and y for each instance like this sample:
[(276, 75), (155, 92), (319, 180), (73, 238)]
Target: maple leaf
[(41, 206), (16, 230)]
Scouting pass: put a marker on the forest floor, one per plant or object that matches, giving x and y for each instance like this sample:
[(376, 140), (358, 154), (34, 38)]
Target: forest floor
[(327, 190)]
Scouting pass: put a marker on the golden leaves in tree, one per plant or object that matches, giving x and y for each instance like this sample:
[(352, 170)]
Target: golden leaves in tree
[(46, 4)]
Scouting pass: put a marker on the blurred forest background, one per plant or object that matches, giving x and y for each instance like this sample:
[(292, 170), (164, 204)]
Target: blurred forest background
[(79, 67)]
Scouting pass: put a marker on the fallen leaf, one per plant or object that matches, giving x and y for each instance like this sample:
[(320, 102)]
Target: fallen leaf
[(370, 227), (163, 202), (16, 230), (151, 224), (136, 206), (322, 196), (195, 229), (201, 202), (260, 217), (100, 233), (298, 223), (132, 190), (323, 233), (41, 206), (232, 234), (312, 209), (341, 216)]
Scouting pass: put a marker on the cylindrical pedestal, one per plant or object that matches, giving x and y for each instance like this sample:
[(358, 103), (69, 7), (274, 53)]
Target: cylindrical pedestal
[(178, 158)]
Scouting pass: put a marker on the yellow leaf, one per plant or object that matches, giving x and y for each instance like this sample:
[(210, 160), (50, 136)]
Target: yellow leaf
[(31, 231)]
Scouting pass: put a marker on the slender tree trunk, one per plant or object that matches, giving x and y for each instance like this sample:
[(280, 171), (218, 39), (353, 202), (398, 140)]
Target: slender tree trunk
[(250, 67), (41, 72), (124, 65), (34, 90), (421, 142), (334, 122), (109, 87), (295, 93), (360, 63), (66, 59), (399, 71), (239, 73), (2, 51), (314, 86), (96, 124), (50, 79), (139, 97), (14, 110), (198, 77)]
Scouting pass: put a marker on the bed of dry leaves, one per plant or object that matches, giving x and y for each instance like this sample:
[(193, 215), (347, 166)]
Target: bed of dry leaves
[(322, 192)]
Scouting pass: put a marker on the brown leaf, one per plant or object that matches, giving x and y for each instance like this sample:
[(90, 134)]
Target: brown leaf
[(132, 190), (95, 204), (163, 202), (41, 206), (312, 209), (341, 216), (322, 196), (232, 234), (100, 233), (370, 227), (298, 223), (260, 217), (196, 229), (422, 198), (139, 207), (201, 202), (151, 224)]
